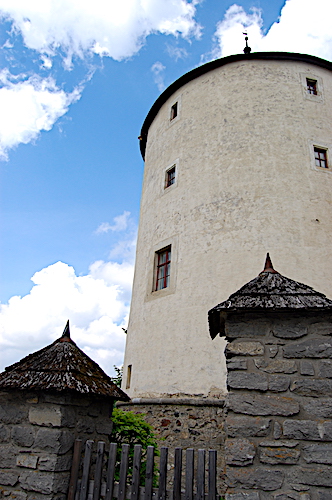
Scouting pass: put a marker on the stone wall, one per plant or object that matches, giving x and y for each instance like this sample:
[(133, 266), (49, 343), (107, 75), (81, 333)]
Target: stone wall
[(279, 421), (185, 423), (37, 432)]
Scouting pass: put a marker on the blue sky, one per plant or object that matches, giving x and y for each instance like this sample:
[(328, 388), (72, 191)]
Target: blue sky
[(77, 79)]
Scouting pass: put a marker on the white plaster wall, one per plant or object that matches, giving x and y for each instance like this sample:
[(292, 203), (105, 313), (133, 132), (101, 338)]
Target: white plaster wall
[(246, 185)]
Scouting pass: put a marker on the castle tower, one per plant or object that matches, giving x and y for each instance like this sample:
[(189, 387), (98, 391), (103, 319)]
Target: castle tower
[(238, 162)]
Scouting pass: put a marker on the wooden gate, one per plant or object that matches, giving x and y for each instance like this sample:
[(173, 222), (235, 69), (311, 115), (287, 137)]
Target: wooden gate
[(101, 485)]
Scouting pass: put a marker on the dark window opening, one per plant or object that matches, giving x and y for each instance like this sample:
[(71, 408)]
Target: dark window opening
[(128, 376), (163, 268), (312, 86), (174, 111), (170, 177), (321, 157)]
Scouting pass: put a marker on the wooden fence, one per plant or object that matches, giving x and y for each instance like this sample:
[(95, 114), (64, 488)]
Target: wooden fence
[(102, 484)]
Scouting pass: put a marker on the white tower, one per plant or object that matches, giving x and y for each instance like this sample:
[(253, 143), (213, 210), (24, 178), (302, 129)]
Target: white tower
[(237, 163)]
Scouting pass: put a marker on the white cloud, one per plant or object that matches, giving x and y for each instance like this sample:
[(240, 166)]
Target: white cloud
[(120, 224), (105, 27), (96, 304), (176, 52), (302, 27), (29, 105), (157, 69)]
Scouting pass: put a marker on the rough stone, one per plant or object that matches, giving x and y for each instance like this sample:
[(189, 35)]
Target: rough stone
[(85, 425), (237, 364), (276, 444), (252, 495), (55, 463), (312, 387), (316, 476), (8, 478), (285, 331), (15, 495), (41, 482), (302, 429), (321, 408), (7, 457), (277, 430), (23, 435), (27, 460), (104, 427), (306, 367), (10, 414), (278, 383), (259, 478), (318, 453), (45, 415), (279, 455), (321, 328), (247, 426), (4, 433), (276, 365), (324, 495), (313, 348), (251, 381), (54, 441), (272, 351), (292, 495), (239, 452), (244, 349), (262, 405), (248, 327), (325, 369)]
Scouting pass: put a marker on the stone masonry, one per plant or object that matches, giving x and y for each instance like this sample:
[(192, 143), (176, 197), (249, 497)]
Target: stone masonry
[(279, 422)]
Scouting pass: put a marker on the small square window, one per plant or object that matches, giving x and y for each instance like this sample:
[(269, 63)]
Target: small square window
[(170, 177), (174, 111), (311, 86), (163, 268), (321, 157), (128, 376)]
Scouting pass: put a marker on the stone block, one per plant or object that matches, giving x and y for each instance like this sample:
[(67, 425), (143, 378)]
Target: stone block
[(312, 387), (254, 478), (278, 383), (319, 475), (55, 463), (321, 408), (237, 364), (289, 331), (15, 495), (320, 327), (243, 495), (251, 381), (7, 456), (49, 416), (276, 365), (277, 444), (23, 435), (4, 433), (318, 453), (292, 495), (246, 328), (41, 482), (239, 452), (325, 369), (272, 351), (11, 414), (262, 405), (306, 367), (27, 460), (54, 440), (324, 495), (277, 430), (313, 348), (8, 478), (244, 349), (275, 456), (85, 425), (104, 427), (247, 426), (302, 429)]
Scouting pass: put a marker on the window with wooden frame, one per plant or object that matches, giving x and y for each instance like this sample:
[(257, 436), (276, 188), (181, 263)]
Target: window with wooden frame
[(174, 111), (321, 157), (162, 268), (170, 176), (311, 86)]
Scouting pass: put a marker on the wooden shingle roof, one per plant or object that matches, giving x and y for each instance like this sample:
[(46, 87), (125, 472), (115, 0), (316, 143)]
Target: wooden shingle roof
[(61, 367)]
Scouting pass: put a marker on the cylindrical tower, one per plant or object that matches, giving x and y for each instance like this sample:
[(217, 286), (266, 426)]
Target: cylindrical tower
[(238, 162)]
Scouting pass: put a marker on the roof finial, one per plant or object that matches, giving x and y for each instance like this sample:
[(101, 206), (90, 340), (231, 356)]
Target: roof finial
[(65, 337), (246, 49), (268, 268)]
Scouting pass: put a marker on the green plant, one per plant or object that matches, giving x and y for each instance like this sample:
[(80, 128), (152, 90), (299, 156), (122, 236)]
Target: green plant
[(118, 377), (131, 428)]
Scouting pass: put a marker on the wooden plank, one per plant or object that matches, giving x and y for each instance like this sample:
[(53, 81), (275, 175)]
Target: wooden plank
[(98, 470), (201, 475), (162, 473), (189, 491), (136, 472), (110, 472), (149, 472), (86, 470), (212, 478), (123, 472), (177, 474), (75, 467)]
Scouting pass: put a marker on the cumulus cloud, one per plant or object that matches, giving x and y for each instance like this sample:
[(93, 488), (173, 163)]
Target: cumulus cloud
[(300, 28), (158, 69), (120, 224), (29, 105), (96, 304)]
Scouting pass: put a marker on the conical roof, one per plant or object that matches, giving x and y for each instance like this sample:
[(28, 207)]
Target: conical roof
[(270, 291), (61, 366)]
